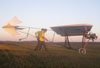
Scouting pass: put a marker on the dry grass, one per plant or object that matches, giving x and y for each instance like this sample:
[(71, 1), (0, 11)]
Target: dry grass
[(22, 55)]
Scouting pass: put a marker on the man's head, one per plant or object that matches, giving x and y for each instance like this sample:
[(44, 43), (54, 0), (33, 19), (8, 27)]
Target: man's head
[(44, 30)]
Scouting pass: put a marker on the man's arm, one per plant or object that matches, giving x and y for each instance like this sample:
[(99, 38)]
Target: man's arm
[(45, 38)]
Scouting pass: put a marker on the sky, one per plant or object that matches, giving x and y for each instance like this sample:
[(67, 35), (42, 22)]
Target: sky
[(48, 13)]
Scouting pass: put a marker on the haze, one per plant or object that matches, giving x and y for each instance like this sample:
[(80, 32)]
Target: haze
[(47, 13)]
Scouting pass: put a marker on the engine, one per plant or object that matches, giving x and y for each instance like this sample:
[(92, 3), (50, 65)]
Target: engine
[(91, 36)]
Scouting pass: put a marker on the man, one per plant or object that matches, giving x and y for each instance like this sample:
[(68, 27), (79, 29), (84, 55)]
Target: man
[(41, 39)]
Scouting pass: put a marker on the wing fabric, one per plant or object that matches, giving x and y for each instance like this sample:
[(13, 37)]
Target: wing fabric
[(72, 30)]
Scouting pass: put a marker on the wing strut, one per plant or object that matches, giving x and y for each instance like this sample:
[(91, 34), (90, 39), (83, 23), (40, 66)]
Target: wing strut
[(67, 42), (83, 39), (53, 37), (26, 36)]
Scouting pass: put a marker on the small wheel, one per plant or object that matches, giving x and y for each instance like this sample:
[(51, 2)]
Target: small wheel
[(82, 51)]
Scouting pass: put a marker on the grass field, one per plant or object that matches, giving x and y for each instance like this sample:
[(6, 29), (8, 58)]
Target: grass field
[(22, 55)]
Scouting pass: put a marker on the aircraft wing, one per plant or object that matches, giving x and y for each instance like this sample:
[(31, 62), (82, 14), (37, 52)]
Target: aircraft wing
[(72, 30)]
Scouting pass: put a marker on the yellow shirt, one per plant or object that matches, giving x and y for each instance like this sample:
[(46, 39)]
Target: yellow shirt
[(41, 35), (38, 33)]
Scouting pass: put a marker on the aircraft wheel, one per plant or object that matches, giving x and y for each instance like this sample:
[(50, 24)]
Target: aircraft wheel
[(82, 51)]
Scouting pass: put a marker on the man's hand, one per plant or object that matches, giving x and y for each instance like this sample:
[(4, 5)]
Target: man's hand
[(46, 39)]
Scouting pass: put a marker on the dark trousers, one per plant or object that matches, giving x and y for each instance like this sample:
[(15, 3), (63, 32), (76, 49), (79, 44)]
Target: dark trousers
[(40, 44)]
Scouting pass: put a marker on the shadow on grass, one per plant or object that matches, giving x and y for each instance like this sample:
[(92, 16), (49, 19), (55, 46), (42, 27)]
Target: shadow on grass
[(9, 60)]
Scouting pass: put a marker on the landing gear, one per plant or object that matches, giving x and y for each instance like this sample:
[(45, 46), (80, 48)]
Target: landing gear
[(82, 51), (88, 36), (84, 44)]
